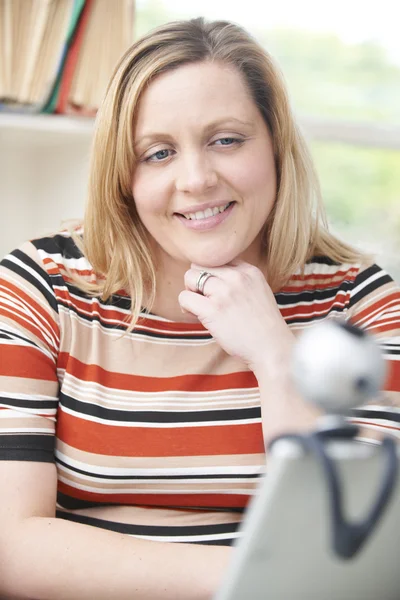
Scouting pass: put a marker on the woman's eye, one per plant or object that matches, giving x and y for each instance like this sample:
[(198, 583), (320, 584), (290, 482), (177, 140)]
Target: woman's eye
[(159, 155), (227, 141)]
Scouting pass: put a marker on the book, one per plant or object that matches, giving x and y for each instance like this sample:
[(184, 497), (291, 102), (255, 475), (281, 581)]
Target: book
[(80, 7), (58, 55), (105, 36), (35, 32), (72, 59)]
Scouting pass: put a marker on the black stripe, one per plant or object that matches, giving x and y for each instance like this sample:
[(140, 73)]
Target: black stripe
[(372, 286), (36, 448), (323, 260), (366, 274), (386, 415), (390, 351), (158, 477), (30, 278), (58, 244), (224, 542), (27, 403), (154, 530), (4, 336), (369, 289), (70, 503), (172, 417), (310, 296), (26, 455), (29, 262), (14, 336)]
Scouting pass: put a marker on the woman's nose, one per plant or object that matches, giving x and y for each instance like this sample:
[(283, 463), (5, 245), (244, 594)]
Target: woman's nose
[(195, 175)]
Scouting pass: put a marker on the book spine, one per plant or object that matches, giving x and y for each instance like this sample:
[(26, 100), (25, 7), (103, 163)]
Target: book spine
[(72, 59)]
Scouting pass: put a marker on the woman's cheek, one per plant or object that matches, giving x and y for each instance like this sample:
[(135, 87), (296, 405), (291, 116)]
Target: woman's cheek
[(150, 193)]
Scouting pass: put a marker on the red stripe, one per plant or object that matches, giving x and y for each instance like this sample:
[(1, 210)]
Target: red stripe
[(112, 440), (393, 376), (17, 361), (170, 500), (340, 275), (394, 427), (91, 308), (14, 292), (308, 310), (392, 299), (391, 326), (121, 381)]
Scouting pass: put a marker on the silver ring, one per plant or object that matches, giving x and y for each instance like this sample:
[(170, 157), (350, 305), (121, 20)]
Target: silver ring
[(201, 280)]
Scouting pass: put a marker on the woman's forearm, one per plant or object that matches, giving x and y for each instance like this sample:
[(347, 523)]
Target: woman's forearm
[(46, 558), (283, 410)]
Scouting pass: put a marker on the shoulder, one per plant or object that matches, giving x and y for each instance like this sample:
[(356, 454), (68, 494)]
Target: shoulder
[(361, 280), (60, 253), (47, 260), (62, 244), (375, 299), (327, 268), (322, 273), (370, 293), (58, 246), (323, 286)]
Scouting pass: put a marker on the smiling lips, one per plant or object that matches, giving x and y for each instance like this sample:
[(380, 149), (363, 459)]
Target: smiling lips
[(204, 214), (206, 219)]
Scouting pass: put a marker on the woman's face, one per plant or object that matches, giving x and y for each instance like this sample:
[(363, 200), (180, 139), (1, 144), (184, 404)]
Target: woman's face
[(205, 180)]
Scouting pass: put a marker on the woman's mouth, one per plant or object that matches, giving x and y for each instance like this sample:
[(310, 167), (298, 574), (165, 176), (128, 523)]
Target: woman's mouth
[(206, 219)]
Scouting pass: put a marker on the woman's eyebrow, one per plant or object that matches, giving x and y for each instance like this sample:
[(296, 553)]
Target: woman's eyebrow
[(226, 121), (151, 136), (166, 137)]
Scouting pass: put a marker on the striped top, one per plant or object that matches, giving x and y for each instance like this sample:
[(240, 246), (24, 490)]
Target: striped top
[(155, 433)]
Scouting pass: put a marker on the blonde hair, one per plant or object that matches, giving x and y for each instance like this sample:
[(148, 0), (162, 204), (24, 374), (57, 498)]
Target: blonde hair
[(115, 241)]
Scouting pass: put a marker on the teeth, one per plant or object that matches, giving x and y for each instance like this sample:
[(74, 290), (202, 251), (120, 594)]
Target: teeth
[(204, 214)]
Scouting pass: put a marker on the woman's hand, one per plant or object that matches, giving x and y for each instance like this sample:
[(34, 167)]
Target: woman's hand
[(240, 311)]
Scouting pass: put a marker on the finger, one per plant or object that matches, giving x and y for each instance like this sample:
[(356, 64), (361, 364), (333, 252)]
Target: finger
[(211, 285), (193, 303), (233, 278)]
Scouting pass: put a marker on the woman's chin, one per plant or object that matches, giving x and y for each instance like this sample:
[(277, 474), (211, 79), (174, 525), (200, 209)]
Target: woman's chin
[(213, 256), (212, 261)]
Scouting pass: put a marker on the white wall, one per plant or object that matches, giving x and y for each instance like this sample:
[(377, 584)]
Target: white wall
[(43, 177)]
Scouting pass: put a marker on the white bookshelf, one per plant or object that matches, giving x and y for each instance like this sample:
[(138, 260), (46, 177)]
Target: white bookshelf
[(43, 174)]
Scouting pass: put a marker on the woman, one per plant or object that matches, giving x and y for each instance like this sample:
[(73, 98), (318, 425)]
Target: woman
[(145, 359)]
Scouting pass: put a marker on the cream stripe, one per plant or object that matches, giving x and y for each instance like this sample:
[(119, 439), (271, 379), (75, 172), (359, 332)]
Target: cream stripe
[(29, 386), (29, 317), (81, 264), (201, 484), (173, 395), (188, 538), (27, 430), (163, 465), (312, 302), (133, 491), (29, 290), (367, 282), (132, 336), (31, 271), (323, 269)]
